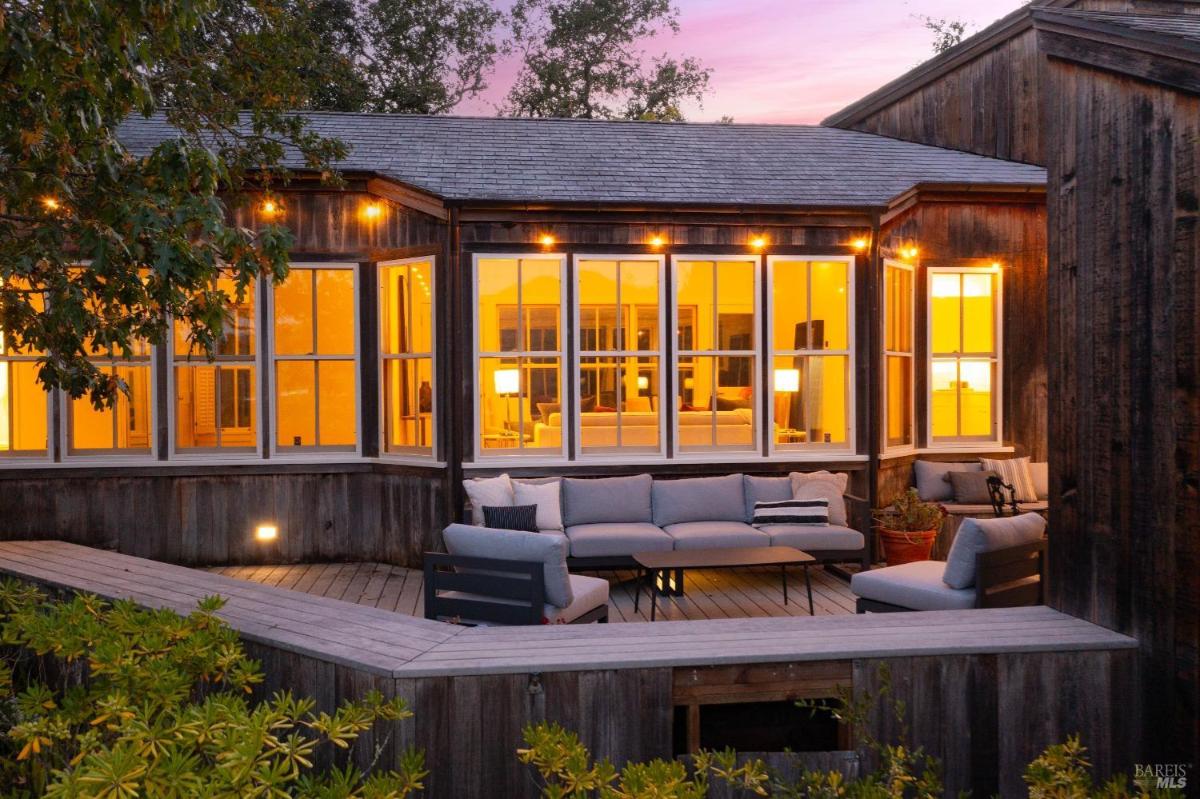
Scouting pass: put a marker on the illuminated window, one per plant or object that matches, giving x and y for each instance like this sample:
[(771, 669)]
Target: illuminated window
[(23, 405), (716, 320), (519, 347), (964, 365), (898, 354), (620, 351), (810, 356), (314, 344), (406, 325), (126, 427), (216, 403)]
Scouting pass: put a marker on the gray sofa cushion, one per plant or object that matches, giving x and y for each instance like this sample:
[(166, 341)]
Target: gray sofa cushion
[(813, 538), (764, 489), (931, 482), (912, 585), (699, 499), (617, 539), (716, 534), (483, 542), (987, 535), (607, 499)]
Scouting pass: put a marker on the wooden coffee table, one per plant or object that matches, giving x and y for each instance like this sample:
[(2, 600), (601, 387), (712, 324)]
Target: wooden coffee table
[(656, 566)]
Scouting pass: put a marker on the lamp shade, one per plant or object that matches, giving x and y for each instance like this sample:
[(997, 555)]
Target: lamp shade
[(787, 380), (689, 383), (643, 382), (507, 381)]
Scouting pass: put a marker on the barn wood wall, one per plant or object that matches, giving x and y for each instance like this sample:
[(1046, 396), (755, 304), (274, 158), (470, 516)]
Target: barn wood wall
[(1124, 367), (968, 234)]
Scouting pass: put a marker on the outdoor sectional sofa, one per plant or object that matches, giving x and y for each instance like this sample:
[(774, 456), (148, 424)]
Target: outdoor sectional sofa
[(606, 520)]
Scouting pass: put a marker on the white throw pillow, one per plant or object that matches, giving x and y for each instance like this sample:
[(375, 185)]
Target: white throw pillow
[(547, 497), (823, 485), (494, 491)]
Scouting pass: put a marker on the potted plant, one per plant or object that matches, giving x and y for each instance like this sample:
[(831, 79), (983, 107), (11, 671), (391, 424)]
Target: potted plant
[(908, 527)]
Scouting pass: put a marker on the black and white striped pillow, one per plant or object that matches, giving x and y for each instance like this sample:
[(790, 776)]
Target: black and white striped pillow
[(808, 512), (512, 517)]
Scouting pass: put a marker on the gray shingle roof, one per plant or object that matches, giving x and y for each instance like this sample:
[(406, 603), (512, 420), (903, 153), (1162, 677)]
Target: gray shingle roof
[(560, 160)]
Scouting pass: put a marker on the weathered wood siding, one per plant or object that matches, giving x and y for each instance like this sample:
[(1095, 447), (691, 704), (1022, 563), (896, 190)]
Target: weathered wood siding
[(388, 514), (966, 234), (1124, 367)]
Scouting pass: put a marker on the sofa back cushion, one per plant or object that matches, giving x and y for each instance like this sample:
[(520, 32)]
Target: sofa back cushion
[(699, 499), (1040, 472), (550, 550), (764, 489), (930, 478), (987, 535), (823, 485), (607, 499)]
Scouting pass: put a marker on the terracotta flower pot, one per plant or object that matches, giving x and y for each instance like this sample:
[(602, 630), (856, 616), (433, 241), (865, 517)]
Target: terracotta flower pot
[(906, 546)]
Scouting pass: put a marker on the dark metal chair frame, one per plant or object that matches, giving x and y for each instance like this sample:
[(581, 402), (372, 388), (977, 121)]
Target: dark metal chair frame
[(520, 583), (1005, 578), (1002, 494)]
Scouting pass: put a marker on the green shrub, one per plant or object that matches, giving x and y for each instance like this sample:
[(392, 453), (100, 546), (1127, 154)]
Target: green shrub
[(112, 700)]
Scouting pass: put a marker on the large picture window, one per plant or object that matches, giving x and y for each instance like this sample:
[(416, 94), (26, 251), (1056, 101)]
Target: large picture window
[(519, 349), (24, 409), (126, 427), (216, 403), (898, 355), (406, 348), (315, 359), (716, 323), (964, 342), (810, 352), (619, 348)]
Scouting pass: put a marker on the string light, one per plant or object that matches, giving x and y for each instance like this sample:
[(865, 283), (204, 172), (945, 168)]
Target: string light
[(269, 208), (50, 203)]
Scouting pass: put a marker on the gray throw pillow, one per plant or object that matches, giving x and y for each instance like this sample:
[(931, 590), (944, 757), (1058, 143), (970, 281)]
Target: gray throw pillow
[(931, 482), (606, 499), (699, 499), (551, 550), (987, 535), (971, 488)]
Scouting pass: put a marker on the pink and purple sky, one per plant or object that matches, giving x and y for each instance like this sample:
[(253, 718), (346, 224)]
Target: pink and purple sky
[(793, 60)]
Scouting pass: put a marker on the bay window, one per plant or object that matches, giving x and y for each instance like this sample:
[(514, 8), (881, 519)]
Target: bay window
[(216, 403), (519, 355), (716, 365), (406, 352), (898, 355), (810, 352), (964, 364), (125, 428), (619, 353), (315, 359)]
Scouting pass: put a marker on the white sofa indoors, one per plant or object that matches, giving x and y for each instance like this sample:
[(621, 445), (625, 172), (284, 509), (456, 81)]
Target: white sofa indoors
[(603, 521), (641, 429), (932, 484), (1015, 545)]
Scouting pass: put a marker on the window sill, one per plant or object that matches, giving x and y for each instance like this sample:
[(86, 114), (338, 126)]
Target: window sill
[(707, 457), (963, 449)]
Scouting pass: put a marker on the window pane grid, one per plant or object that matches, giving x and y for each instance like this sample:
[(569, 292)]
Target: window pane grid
[(406, 318), (899, 356), (126, 427), (964, 363)]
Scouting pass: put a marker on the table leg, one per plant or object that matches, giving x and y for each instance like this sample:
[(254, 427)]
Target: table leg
[(654, 595), (808, 584), (637, 589), (783, 579)]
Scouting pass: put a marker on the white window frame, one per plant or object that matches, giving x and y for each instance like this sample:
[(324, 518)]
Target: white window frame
[(851, 444), (997, 357), (98, 457), (414, 453), (205, 454), (11, 460), (317, 453), (891, 263), (756, 354), (659, 354), (531, 456)]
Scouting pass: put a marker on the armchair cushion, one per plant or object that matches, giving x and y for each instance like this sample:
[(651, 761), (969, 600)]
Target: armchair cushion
[(483, 542), (986, 535), (699, 499), (607, 499), (590, 593), (915, 585)]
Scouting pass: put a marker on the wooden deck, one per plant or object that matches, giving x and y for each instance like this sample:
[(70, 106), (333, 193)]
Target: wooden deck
[(716, 594)]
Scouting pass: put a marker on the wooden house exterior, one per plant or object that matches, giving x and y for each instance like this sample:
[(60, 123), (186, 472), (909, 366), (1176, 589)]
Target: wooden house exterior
[(489, 295)]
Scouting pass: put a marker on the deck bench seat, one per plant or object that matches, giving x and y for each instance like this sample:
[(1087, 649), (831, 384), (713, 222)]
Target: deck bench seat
[(615, 539), (814, 538), (714, 535)]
